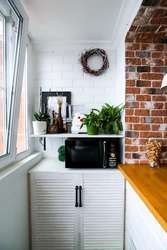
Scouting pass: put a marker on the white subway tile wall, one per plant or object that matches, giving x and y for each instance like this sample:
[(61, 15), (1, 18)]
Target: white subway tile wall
[(60, 70), (141, 226)]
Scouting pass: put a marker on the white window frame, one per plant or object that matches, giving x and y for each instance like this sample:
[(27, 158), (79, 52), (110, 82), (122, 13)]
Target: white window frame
[(24, 81), (29, 102), (11, 157)]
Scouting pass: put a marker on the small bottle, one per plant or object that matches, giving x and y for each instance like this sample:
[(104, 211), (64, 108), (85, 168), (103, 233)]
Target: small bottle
[(53, 128), (60, 121), (64, 126), (69, 127)]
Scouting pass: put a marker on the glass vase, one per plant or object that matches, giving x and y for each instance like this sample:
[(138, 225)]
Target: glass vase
[(154, 152), (60, 121)]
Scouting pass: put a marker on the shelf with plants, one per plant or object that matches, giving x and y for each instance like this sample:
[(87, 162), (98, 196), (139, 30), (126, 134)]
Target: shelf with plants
[(108, 119)]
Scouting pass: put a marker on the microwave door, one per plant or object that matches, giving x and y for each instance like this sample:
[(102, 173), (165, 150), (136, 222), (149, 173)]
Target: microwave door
[(104, 154)]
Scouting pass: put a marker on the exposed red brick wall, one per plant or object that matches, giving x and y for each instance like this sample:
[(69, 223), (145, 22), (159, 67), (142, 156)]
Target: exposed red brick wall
[(146, 64)]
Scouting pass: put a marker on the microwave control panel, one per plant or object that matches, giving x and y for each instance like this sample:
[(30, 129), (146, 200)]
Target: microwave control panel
[(112, 156)]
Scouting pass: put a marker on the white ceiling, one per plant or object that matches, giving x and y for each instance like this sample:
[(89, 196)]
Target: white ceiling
[(79, 20)]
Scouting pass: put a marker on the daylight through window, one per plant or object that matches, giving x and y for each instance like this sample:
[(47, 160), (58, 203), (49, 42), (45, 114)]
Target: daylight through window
[(22, 133), (10, 35)]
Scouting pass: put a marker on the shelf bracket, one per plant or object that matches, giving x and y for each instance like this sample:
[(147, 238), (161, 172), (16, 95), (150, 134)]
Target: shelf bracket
[(44, 142)]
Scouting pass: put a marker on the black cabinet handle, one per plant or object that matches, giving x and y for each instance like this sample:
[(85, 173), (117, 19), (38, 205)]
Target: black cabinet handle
[(80, 199), (76, 196)]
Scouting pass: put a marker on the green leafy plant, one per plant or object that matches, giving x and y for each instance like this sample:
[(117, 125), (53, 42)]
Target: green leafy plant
[(41, 117), (110, 117), (91, 119), (38, 116)]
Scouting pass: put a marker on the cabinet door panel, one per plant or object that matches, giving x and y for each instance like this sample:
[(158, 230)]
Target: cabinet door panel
[(103, 210), (53, 213)]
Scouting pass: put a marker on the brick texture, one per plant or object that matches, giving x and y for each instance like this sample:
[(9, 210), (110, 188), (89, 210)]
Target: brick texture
[(146, 64)]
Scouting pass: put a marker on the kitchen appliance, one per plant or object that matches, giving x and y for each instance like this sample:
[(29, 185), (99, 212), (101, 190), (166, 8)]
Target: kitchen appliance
[(92, 152)]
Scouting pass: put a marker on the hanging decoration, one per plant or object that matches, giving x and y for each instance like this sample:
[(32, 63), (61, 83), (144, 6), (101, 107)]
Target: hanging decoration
[(92, 52)]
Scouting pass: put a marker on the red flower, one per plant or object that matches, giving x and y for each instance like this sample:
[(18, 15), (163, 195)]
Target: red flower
[(81, 120), (79, 117)]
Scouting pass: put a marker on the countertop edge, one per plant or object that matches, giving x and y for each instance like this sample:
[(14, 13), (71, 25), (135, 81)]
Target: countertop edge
[(148, 204)]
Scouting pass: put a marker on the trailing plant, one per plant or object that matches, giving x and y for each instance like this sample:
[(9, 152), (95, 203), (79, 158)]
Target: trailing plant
[(111, 118)]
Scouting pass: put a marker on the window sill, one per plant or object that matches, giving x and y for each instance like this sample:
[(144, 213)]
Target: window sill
[(29, 161)]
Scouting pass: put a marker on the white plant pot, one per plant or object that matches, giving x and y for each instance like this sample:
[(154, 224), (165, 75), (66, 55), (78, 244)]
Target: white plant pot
[(39, 127)]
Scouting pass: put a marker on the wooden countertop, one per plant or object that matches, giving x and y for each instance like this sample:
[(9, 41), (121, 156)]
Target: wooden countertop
[(151, 186)]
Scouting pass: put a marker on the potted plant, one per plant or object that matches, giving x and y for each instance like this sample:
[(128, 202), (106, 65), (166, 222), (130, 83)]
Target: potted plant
[(39, 124), (111, 118), (92, 122)]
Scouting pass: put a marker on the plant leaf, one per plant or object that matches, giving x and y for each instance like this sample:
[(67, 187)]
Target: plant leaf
[(115, 127)]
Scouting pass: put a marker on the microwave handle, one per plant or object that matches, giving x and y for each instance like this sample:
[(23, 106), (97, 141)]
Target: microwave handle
[(104, 155)]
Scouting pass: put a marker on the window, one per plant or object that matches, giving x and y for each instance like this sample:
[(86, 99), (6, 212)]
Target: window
[(13, 33), (2, 146), (22, 124)]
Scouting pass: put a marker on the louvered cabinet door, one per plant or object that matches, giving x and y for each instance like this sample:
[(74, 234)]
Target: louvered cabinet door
[(52, 211), (103, 211)]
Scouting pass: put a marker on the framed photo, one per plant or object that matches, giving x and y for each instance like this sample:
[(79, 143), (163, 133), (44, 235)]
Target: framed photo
[(49, 100)]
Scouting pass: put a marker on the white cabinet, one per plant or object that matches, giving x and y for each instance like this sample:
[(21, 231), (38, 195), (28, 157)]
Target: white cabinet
[(56, 223)]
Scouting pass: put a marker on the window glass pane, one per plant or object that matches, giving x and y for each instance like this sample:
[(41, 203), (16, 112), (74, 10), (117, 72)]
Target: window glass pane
[(22, 124), (2, 93), (10, 35)]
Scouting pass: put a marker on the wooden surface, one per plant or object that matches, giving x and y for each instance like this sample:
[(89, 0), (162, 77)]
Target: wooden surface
[(151, 186)]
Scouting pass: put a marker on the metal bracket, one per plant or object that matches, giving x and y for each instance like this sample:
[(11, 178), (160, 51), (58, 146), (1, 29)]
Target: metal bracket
[(44, 142)]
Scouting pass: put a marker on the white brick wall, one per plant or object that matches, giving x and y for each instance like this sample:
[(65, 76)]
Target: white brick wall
[(141, 226), (60, 70)]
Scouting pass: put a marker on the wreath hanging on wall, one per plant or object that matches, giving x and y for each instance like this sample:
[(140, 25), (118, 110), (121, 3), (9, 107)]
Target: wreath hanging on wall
[(87, 54)]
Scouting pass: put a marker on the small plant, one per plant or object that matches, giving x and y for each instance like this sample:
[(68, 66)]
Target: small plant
[(111, 118), (40, 124), (39, 117), (61, 153), (91, 119), (42, 117)]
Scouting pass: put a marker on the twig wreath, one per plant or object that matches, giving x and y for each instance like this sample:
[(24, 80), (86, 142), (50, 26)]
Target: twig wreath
[(87, 54)]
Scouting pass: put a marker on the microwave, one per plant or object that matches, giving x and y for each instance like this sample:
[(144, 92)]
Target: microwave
[(92, 153)]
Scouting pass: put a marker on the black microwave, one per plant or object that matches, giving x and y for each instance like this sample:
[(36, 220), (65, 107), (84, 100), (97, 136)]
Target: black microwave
[(92, 152)]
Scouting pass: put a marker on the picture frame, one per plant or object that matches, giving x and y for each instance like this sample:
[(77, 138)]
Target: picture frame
[(47, 94)]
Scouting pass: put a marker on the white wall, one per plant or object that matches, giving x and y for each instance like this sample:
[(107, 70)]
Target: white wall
[(141, 227), (120, 73), (60, 70), (14, 214), (120, 85)]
